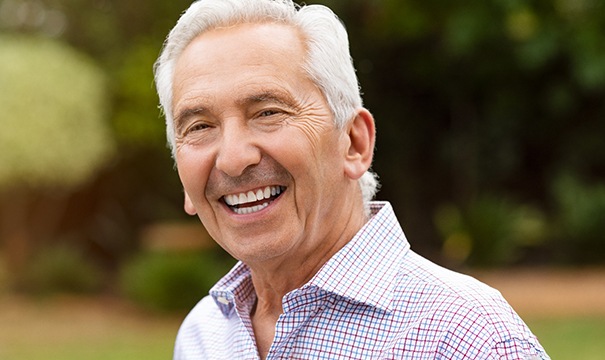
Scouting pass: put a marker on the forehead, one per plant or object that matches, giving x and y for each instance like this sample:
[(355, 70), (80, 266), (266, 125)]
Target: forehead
[(226, 59)]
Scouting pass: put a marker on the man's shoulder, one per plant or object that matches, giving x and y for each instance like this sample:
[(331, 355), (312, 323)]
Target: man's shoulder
[(454, 308), (190, 338), (207, 333), (422, 279)]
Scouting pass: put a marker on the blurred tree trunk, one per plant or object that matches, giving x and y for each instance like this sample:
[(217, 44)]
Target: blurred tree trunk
[(15, 229), (27, 219)]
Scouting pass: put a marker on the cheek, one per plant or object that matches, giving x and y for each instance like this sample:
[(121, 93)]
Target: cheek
[(319, 162), (309, 140), (193, 169), (292, 153)]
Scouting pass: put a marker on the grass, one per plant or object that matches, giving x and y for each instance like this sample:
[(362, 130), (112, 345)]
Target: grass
[(117, 346), (75, 328), (571, 337), (575, 338)]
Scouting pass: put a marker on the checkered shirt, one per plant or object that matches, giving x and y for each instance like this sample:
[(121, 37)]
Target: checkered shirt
[(374, 299)]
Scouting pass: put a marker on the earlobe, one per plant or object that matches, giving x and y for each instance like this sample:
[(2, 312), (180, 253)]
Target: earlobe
[(361, 132), (189, 208)]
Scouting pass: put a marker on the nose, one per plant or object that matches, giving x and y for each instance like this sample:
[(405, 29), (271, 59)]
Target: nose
[(237, 149)]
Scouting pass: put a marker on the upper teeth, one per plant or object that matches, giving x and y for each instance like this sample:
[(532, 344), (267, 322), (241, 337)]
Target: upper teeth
[(252, 196)]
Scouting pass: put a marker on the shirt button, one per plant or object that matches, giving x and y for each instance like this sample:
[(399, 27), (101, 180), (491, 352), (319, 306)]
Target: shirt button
[(223, 300)]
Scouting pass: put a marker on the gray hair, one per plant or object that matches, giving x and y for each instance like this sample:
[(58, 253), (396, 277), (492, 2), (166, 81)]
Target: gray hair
[(328, 64)]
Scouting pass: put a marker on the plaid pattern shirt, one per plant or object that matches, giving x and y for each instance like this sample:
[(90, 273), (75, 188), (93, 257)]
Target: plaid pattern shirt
[(374, 299)]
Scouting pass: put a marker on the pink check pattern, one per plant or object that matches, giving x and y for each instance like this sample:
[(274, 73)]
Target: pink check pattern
[(375, 299)]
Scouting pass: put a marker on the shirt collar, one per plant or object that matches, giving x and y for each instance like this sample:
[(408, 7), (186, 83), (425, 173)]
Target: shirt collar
[(364, 270), (234, 288)]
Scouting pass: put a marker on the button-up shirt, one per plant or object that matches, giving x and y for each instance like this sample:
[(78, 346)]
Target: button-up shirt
[(374, 299)]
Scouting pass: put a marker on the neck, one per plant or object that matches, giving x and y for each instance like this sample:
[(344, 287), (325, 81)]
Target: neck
[(272, 283), (274, 279)]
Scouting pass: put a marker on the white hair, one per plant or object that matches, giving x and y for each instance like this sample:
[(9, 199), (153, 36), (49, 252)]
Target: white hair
[(328, 63)]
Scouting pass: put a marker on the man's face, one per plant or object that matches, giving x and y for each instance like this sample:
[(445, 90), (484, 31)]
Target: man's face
[(257, 151)]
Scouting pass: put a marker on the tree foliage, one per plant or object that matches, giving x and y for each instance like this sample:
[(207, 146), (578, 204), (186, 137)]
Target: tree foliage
[(480, 97), (474, 100), (54, 107)]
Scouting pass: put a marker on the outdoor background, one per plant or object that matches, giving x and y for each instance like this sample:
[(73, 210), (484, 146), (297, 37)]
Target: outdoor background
[(490, 118)]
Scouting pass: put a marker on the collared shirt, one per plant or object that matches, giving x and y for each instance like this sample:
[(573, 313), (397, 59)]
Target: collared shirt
[(374, 299)]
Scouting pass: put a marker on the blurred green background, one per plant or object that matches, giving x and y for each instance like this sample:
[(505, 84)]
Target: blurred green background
[(490, 118)]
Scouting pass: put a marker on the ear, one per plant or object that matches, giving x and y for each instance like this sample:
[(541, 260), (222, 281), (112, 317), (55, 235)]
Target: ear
[(361, 134), (189, 208)]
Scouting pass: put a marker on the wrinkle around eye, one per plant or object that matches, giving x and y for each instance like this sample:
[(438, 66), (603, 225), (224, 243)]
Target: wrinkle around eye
[(272, 120), (196, 127), (196, 133), (312, 127), (314, 119)]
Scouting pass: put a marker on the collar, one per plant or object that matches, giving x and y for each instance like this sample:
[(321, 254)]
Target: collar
[(234, 288), (364, 270)]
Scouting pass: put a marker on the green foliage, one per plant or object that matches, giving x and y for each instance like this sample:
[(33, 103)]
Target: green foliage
[(172, 281), (61, 269), (479, 97), (54, 114), (470, 97), (581, 220), (492, 231), (137, 120), (489, 232)]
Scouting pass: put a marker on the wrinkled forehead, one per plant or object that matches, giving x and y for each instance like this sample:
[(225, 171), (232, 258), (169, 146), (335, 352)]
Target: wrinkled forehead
[(226, 60)]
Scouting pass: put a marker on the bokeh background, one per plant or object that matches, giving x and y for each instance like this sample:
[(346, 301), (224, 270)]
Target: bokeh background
[(490, 118)]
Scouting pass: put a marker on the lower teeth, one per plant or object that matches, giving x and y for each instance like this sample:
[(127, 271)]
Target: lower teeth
[(250, 210)]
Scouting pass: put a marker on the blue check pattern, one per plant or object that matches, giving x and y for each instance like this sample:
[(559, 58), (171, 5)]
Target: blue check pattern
[(374, 299)]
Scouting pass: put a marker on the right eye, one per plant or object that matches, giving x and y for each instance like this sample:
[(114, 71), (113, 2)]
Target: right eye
[(197, 127)]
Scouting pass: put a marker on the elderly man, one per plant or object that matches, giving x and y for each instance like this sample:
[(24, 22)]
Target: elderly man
[(273, 148)]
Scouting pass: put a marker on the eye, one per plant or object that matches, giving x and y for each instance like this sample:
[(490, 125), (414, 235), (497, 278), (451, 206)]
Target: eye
[(266, 113), (197, 127)]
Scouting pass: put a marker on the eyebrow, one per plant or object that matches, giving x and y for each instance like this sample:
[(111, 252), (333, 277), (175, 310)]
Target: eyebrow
[(181, 118), (279, 97)]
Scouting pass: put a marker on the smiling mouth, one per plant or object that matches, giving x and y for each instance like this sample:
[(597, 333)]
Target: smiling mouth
[(253, 201)]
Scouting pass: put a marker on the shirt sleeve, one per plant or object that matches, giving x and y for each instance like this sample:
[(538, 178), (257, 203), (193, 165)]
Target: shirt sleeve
[(497, 336), (522, 349)]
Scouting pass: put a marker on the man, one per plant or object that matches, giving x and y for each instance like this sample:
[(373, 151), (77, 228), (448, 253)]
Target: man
[(273, 148)]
